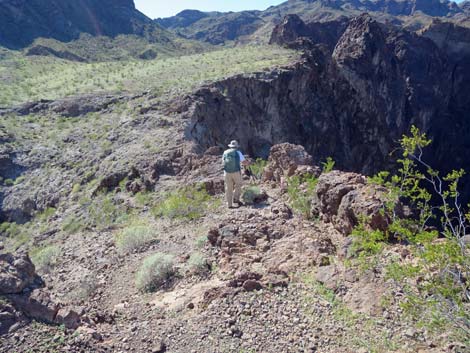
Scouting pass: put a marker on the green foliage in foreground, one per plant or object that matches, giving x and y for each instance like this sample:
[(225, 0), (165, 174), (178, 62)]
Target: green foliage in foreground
[(31, 78), (437, 282), (300, 191), (328, 165), (190, 202), (155, 271)]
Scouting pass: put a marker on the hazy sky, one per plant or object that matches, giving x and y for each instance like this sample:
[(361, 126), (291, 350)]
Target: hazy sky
[(166, 8)]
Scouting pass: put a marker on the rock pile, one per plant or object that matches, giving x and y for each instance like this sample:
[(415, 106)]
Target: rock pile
[(25, 297)]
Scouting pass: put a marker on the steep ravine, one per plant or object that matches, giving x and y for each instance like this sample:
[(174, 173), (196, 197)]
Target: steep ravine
[(352, 103)]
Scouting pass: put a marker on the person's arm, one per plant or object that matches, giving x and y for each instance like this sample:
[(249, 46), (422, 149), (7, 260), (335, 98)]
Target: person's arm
[(243, 161)]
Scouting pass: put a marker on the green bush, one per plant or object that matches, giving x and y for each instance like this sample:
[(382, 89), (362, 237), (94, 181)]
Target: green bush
[(9, 182), (328, 165), (103, 212), (135, 237), (250, 194), (257, 168), (441, 265), (300, 191), (46, 214), (46, 257), (201, 241), (10, 229), (197, 263), (155, 271), (190, 202), (72, 225)]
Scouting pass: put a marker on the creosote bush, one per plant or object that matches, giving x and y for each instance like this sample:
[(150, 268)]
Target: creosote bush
[(437, 281), (155, 272), (300, 191), (197, 263), (257, 168), (45, 258), (189, 202), (134, 237), (250, 194)]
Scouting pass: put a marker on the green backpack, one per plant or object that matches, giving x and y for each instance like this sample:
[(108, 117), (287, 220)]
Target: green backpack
[(231, 161)]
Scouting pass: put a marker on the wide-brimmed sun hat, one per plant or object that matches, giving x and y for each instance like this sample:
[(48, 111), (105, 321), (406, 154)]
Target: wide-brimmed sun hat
[(233, 144)]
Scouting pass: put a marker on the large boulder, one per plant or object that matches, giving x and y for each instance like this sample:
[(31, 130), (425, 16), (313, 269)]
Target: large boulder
[(286, 160), (345, 198), (21, 286), (16, 274)]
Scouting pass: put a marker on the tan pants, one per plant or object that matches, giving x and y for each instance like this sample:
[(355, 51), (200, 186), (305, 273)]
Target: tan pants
[(233, 181)]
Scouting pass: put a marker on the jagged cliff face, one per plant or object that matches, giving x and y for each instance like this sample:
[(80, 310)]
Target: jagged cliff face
[(352, 101), (23, 21), (439, 8), (256, 26)]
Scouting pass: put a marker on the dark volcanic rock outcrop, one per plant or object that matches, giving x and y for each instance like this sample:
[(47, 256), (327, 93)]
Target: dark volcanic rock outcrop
[(292, 28), (20, 284), (352, 103), (23, 21)]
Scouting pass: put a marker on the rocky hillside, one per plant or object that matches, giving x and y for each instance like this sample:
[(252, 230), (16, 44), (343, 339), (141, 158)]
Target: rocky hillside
[(249, 26), (114, 233), (21, 21)]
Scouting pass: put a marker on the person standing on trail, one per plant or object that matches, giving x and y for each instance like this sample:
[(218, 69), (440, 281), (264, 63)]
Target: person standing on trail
[(233, 159)]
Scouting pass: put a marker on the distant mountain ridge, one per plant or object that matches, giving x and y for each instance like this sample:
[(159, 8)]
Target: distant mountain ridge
[(22, 21), (216, 27)]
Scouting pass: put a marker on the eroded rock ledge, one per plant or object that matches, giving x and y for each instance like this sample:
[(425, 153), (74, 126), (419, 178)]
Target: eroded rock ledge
[(26, 297)]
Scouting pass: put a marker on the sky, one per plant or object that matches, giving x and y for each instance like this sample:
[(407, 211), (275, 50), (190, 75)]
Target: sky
[(167, 8)]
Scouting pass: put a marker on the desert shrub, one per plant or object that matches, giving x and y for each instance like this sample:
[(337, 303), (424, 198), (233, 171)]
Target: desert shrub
[(197, 263), (9, 182), (144, 198), (250, 194), (201, 241), (72, 224), (45, 258), (102, 211), (300, 191), (257, 168), (10, 229), (46, 214), (155, 271), (134, 237), (190, 202), (441, 267), (328, 165)]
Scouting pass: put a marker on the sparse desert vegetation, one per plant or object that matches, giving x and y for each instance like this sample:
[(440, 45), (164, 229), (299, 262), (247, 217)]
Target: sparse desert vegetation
[(32, 78)]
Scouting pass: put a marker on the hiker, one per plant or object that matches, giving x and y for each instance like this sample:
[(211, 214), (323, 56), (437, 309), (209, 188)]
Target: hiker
[(233, 159)]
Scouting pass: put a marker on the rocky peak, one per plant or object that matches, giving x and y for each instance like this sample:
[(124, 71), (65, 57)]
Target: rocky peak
[(440, 8), (23, 21), (292, 29), (183, 19), (363, 40), (465, 6)]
